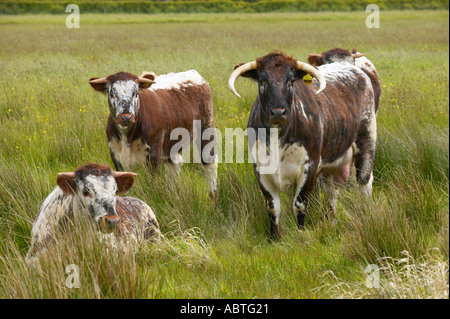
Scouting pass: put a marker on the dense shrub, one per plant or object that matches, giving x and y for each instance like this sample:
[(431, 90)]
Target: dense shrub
[(186, 6)]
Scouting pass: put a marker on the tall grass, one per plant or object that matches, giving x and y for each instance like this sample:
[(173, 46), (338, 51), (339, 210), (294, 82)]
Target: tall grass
[(52, 121)]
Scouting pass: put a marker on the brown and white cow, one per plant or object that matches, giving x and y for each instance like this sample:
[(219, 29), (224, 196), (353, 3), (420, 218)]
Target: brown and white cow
[(337, 55), (145, 110), (91, 192), (316, 133)]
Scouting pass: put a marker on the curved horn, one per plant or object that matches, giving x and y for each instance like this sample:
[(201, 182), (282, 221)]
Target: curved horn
[(118, 174), (315, 73), (236, 73), (144, 80), (102, 80), (67, 174), (357, 55)]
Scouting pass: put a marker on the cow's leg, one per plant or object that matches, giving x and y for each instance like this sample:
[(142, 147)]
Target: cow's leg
[(273, 203), (207, 151), (211, 175), (365, 143), (116, 163), (305, 186), (329, 186), (154, 153), (174, 167)]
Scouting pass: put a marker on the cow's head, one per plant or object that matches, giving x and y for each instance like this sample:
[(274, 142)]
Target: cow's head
[(96, 186), (276, 74), (334, 55), (123, 99)]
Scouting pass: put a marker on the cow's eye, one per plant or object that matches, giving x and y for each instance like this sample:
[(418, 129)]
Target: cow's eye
[(291, 82), (87, 193), (261, 82)]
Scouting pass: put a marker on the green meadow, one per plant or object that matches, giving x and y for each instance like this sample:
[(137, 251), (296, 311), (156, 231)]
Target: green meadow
[(52, 121)]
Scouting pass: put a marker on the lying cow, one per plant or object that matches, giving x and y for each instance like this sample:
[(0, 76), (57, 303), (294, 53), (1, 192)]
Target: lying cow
[(317, 133), (337, 55), (91, 192), (145, 110)]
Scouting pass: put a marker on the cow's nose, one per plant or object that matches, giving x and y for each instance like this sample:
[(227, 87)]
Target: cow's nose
[(125, 118), (277, 116), (112, 221)]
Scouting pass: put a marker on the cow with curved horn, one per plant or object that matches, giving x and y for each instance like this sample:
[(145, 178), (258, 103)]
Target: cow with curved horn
[(315, 133), (145, 110)]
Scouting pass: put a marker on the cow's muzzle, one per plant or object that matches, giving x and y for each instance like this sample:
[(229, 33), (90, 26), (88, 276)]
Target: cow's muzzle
[(110, 222), (125, 119), (277, 116)]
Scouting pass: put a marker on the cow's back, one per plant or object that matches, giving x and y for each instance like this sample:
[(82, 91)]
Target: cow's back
[(175, 100), (137, 217), (369, 68), (346, 104)]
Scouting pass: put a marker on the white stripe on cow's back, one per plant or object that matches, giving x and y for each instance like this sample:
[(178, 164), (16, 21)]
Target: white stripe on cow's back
[(177, 80), (337, 71)]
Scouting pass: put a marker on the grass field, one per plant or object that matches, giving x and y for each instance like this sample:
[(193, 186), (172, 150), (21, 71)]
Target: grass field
[(52, 121)]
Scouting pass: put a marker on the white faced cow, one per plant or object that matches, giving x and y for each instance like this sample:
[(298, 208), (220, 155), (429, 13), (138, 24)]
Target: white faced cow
[(91, 192), (317, 133), (145, 110)]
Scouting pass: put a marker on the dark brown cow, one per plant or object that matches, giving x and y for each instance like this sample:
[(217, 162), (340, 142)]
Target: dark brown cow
[(145, 110), (356, 58), (91, 192), (316, 133)]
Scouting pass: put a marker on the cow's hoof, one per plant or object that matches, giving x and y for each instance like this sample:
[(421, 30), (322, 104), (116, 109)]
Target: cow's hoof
[(275, 234)]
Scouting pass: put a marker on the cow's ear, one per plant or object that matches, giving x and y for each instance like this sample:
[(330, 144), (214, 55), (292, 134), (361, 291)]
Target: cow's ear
[(249, 74), (66, 182), (124, 181), (315, 59), (146, 79), (299, 74), (98, 84)]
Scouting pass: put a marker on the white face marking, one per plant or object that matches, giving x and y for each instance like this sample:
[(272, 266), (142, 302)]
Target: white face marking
[(123, 97), (176, 80), (98, 194)]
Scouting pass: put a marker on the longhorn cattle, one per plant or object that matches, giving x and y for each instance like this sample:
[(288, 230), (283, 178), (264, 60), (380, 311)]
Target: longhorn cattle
[(145, 110), (316, 133), (91, 192), (340, 55)]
